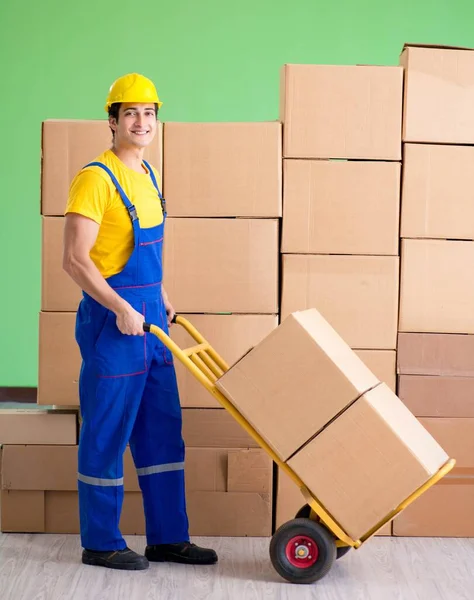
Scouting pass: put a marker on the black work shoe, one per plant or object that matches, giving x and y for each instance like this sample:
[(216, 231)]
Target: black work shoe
[(185, 553), (126, 559)]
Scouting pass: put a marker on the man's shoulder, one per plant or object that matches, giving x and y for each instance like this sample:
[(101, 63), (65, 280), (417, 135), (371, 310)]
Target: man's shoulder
[(94, 174), (105, 159)]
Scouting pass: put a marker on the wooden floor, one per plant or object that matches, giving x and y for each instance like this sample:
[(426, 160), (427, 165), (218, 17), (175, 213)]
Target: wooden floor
[(48, 567)]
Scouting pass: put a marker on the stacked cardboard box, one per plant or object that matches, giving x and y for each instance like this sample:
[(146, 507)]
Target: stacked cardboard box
[(436, 341), (221, 257), (340, 230), (222, 184), (39, 427)]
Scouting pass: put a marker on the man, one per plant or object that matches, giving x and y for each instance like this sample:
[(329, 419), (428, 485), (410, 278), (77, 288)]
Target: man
[(113, 238)]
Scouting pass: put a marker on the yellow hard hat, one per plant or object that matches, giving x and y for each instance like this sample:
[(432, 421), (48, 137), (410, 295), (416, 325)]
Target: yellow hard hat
[(132, 88)]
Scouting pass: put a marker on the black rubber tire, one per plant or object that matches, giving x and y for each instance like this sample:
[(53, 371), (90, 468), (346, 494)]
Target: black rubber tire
[(304, 513), (319, 535)]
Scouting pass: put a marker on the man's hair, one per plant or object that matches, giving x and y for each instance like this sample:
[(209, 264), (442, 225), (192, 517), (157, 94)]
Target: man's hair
[(114, 110)]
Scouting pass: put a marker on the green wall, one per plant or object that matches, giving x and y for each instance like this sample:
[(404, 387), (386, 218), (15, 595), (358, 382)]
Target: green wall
[(212, 60)]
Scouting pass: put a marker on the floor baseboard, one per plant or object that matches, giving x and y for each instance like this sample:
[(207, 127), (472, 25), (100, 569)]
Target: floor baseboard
[(26, 395)]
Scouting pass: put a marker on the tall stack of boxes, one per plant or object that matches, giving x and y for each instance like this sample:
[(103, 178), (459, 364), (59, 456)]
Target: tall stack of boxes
[(436, 340), (222, 185), (341, 199), (26, 432)]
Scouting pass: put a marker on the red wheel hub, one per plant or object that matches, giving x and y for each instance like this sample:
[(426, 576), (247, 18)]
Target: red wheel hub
[(302, 551)]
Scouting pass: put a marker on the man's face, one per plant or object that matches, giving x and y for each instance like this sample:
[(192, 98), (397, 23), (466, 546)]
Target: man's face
[(136, 125)]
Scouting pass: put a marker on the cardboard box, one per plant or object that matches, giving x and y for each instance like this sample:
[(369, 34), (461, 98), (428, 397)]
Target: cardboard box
[(340, 207), (38, 426), (295, 381), (214, 428), (59, 360), (358, 295), (42, 481), (235, 270), (223, 169), (382, 365), (446, 509), (289, 500), (438, 94), (341, 111), (432, 396), (457, 438), (230, 335), (437, 293), (442, 354), (383, 455), (222, 265), (443, 511), (59, 292), (67, 146), (438, 192)]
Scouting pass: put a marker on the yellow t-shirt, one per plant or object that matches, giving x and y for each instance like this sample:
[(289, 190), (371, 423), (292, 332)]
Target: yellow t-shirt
[(93, 195)]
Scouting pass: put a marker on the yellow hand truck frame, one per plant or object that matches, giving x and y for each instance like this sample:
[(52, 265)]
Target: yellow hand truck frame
[(302, 550)]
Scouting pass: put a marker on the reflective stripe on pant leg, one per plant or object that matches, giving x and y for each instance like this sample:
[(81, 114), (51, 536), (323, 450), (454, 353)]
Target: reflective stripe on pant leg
[(177, 466), (99, 481)]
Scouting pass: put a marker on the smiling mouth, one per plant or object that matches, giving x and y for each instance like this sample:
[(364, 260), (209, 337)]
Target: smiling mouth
[(140, 132)]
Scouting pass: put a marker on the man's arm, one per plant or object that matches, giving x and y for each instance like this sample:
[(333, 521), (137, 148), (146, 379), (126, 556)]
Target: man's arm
[(80, 234)]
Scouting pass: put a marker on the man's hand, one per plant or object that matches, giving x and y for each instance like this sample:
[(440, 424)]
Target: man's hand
[(170, 312), (130, 321)]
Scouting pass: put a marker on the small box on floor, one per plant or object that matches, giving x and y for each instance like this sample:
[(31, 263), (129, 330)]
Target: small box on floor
[(446, 509), (443, 511)]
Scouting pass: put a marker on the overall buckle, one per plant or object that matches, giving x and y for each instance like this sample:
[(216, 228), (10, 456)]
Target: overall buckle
[(132, 211)]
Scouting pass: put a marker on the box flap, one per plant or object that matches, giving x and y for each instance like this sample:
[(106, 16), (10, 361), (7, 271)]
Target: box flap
[(435, 46)]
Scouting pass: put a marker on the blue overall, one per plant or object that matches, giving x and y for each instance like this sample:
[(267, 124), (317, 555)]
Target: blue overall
[(129, 394)]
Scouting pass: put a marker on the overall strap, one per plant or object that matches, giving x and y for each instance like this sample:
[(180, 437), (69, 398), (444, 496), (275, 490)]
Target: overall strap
[(129, 206), (153, 178)]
